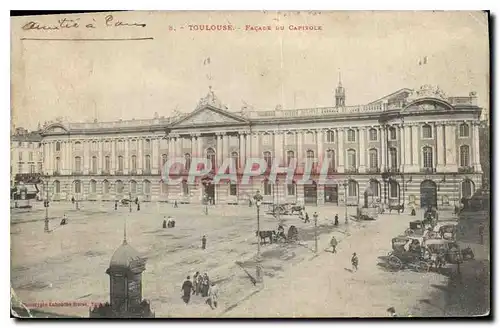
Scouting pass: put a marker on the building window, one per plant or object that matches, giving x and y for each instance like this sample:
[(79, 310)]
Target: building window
[(464, 130), (94, 146), (392, 133), (120, 163), (121, 145), (393, 189), (147, 187), (393, 156), (57, 187), (30, 156), (164, 187), (351, 135), (148, 163), (330, 136), (40, 166), (134, 163), (373, 134), (107, 163), (373, 155), (234, 161), (427, 131), (185, 188), (94, 164), (467, 188), (187, 161), (310, 138), (267, 188), (105, 187), (58, 164), (330, 154), (92, 186), (119, 187), (290, 156), (374, 187), (351, 159), (290, 189), (78, 187), (78, 146), (107, 145), (266, 139), (268, 159), (78, 164), (211, 158), (20, 155), (133, 144), (464, 156), (309, 158), (133, 187), (290, 138), (427, 156), (58, 146), (147, 144), (32, 168), (20, 168), (233, 189), (352, 188)]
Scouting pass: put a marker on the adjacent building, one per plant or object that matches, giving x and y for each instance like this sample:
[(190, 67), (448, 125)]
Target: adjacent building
[(412, 146), (25, 152)]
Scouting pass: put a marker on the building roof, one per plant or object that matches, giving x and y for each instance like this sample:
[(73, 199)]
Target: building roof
[(124, 256)]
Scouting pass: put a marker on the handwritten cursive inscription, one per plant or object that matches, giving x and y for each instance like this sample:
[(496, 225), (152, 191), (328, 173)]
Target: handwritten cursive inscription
[(66, 23)]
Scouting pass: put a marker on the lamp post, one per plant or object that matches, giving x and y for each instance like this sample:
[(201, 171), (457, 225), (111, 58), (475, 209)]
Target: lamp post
[(258, 269), (345, 200), (315, 215), (46, 205), (130, 202)]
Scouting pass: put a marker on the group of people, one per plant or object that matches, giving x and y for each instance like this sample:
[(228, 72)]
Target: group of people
[(168, 223), (201, 285), (136, 201)]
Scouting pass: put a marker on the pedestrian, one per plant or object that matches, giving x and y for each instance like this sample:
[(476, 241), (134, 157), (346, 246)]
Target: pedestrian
[(392, 312), (64, 219), (138, 206), (333, 243), (175, 204), (164, 223), (137, 200), (307, 218), (213, 294), (205, 285), (72, 200), (336, 220), (196, 289), (116, 205), (354, 262), (187, 287), (199, 283), (204, 242)]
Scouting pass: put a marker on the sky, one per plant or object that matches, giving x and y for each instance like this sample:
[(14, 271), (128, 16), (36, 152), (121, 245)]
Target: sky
[(376, 53)]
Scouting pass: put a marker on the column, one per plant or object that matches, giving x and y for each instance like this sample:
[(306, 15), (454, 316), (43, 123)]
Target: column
[(86, 156), (383, 147), (277, 148), (440, 139), (154, 156), (100, 162), (68, 160), (219, 148), (242, 149), (248, 147), (362, 150), (255, 145), (113, 156), (407, 160), (415, 141), (171, 147), (199, 145), (300, 155), (475, 148), (340, 151), (320, 139), (127, 165), (225, 148)]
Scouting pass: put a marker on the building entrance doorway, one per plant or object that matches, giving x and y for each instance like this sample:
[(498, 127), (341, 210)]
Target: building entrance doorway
[(311, 194), (428, 194), (332, 194)]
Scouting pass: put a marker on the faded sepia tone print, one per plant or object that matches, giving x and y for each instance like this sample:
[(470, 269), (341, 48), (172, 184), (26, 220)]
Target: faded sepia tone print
[(250, 164)]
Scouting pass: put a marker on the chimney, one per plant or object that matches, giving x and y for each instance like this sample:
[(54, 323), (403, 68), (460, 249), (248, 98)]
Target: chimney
[(473, 98)]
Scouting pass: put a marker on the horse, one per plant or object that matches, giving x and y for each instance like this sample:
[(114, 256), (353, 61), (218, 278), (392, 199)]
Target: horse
[(297, 208), (266, 234), (448, 229), (400, 208)]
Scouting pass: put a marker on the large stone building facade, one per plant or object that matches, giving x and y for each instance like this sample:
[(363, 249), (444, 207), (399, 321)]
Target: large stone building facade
[(413, 147), (25, 152)]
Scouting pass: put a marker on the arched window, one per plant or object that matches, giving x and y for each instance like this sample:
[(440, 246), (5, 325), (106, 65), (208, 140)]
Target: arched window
[(373, 134), (133, 144), (268, 159), (351, 135), (133, 162), (464, 156), (93, 187), (107, 164), (107, 145), (57, 186), (375, 188), (185, 188), (147, 165), (58, 164), (78, 164), (464, 130), (427, 131), (267, 188), (351, 159), (105, 187), (121, 145), (211, 158), (330, 136), (427, 157), (290, 189), (235, 160), (233, 189), (78, 146), (133, 187), (330, 154), (77, 186), (393, 189), (310, 158), (309, 138), (147, 144), (164, 187), (58, 146), (120, 163), (373, 155), (392, 133), (187, 161), (393, 157), (290, 156), (94, 164), (352, 188), (266, 139), (147, 187), (290, 138), (467, 188), (93, 146), (119, 187)]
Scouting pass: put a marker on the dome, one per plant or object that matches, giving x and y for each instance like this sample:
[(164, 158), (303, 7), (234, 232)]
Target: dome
[(124, 256)]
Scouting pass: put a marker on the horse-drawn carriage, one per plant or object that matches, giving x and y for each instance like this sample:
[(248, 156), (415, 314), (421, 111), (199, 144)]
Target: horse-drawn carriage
[(279, 235), (408, 252), (446, 229), (275, 209), (417, 228), (444, 251)]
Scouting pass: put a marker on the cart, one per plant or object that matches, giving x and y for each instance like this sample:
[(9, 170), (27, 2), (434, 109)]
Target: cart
[(412, 257)]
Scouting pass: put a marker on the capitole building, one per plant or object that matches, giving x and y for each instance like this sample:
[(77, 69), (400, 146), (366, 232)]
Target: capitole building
[(413, 146)]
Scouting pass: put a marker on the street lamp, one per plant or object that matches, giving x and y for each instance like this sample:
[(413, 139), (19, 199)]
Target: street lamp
[(345, 200), (46, 205), (130, 202), (315, 215), (258, 270)]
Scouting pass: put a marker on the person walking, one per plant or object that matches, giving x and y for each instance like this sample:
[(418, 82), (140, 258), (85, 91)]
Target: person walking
[(213, 295), (336, 220), (307, 218), (138, 206), (204, 242), (199, 284), (187, 287), (205, 285), (354, 262), (333, 243), (196, 289), (116, 205)]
